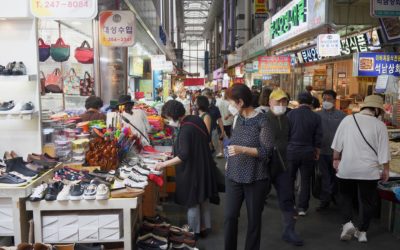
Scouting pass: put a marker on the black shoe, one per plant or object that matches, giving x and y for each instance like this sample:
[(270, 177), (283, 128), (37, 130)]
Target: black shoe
[(76, 192), (27, 108), (53, 190), (83, 247), (10, 180), (9, 69), (6, 106), (323, 206), (17, 165)]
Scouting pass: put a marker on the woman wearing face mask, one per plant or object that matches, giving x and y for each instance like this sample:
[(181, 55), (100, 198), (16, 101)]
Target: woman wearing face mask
[(246, 174), (195, 182), (361, 147)]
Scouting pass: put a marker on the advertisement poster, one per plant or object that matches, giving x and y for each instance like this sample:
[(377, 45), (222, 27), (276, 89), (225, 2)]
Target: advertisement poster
[(269, 65), (64, 9), (117, 28), (328, 44), (146, 87), (157, 81), (375, 64), (136, 66)]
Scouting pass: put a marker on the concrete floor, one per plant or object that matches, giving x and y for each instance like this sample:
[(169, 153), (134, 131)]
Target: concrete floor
[(319, 230)]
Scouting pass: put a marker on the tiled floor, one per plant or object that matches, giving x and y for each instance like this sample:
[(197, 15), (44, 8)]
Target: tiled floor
[(319, 230)]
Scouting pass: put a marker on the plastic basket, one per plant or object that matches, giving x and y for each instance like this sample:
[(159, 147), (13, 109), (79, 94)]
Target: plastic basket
[(385, 190)]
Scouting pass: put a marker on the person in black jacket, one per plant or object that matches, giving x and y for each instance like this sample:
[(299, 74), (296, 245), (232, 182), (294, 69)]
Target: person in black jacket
[(195, 180), (304, 146), (279, 173)]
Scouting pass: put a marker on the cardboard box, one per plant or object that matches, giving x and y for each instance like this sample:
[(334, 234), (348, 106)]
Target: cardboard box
[(50, 234), (110, 221), (88, 221), (109, 234), (6, 226), (88, 234), (68, 234), (50, 221), (67, 221)]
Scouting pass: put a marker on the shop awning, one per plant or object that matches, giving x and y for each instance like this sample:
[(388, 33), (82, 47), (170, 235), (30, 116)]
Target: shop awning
[(194, 82)]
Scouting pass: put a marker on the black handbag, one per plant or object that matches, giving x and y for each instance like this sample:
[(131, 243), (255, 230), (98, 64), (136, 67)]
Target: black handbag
[(316, 183)]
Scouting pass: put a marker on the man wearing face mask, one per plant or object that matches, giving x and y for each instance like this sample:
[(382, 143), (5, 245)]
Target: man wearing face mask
[(304, 145), (331, 118), (279, 174), (361, 148)]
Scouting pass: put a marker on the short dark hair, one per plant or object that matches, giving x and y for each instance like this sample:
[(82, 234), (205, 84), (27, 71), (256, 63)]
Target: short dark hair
[(202, 103), (305, 98), (309, 88), (329, 92), (240, 91), (264, 97), (173, 109), (93, 102), (255, 99)]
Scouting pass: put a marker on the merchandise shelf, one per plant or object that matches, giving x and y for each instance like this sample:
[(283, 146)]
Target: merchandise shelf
[(18, 116), (23, 78)]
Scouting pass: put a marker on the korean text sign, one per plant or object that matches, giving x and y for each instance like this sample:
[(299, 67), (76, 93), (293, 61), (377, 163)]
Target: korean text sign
[(268, 65), (375, 64), (385, 8), (64, 9), (117, 28)]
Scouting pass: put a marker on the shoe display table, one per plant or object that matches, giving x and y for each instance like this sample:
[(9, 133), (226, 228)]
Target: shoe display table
[(74, 220), (13, 217)]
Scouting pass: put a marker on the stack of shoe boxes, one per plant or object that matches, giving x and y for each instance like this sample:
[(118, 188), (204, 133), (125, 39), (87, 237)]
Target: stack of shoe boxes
[(6, 218), (81, 228)]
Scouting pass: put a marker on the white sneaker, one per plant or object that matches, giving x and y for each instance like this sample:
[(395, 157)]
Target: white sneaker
[(302, 213), (64, 194), (118, 183), (361, 236), (130, 182), (141, 170), (39, 192), (348, 231), (103, 192)]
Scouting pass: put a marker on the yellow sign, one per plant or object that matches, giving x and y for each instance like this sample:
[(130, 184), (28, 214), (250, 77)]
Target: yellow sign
[(64, 9), (260, 7)]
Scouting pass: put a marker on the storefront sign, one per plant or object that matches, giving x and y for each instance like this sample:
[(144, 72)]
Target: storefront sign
[(136, 66), (218, 74), (117, 28), (328, 44), (64, 9), (249, 68), (308, 55), (297, 17), (385, 8), (156, 60), (165, 66), (375, 64), (255, 66), (268, 65), (260, 8), (239, 71), (254, 47)]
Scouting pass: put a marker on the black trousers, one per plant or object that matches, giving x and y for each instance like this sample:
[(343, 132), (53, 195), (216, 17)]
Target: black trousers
[(329, 182), (306, 164), (253, 194), (284, 191), (365, 192)]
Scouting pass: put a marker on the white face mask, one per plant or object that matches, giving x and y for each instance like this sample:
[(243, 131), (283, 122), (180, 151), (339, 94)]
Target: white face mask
[(173, 123), (327, 105), (233, 110), (279, 110)]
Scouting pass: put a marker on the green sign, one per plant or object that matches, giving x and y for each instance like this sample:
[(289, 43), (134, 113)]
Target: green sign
[(294, 15)]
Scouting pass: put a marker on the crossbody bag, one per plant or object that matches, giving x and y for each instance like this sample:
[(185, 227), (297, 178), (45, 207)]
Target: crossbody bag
[(365, 139)]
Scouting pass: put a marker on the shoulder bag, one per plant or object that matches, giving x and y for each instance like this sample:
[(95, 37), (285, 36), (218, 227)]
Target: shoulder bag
[(71, 83), (60, 51), (87, 85), (44, 50), (53, 82), (84, 54)]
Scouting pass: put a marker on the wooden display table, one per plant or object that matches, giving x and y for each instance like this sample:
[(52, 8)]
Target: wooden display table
[(128, 207), (15, 197)]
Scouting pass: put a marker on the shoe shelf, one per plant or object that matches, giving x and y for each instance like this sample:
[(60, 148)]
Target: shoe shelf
[(23, 78), (14, 199), (19, 116), (130, 208)]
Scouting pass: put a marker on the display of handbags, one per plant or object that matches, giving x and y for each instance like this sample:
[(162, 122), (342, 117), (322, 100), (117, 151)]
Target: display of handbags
[(72, 83), (44, 50), (60, 51), (87, 85), (53, 82), (84, 54)]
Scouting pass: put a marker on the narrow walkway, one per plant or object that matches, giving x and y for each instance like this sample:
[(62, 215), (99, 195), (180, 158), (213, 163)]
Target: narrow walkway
[(320, 230)]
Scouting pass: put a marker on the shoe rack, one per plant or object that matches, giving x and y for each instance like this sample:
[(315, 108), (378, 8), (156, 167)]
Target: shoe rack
[(21, 133)]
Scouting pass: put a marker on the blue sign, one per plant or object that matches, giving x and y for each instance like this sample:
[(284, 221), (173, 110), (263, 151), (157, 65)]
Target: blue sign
[(157, 82), (376, 64)]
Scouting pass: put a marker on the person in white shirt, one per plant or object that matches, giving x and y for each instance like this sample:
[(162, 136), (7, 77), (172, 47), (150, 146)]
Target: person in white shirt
[(137, 119), (361, 146), (182, 98), (227, 117)]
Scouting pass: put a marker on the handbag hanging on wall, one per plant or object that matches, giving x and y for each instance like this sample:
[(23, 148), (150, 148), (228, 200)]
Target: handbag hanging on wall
[(87, 85), (84, 54), (42, 83), (72, 83), (44, 50), (60, 51), (53, 82)]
